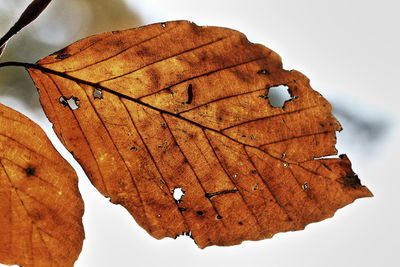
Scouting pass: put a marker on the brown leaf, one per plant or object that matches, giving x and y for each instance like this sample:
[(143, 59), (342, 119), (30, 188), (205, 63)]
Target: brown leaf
[(40, 205), (173, 122)]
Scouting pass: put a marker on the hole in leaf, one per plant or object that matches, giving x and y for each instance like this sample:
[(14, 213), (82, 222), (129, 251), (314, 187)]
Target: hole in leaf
[(304, 186), (285, 164), (219, 217), (97, 93), (278, 95), (178, 194), (263, 72), (72, 102)]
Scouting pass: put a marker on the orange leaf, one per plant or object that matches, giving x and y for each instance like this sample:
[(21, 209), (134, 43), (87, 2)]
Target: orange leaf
[(173, 121), (40, 205)]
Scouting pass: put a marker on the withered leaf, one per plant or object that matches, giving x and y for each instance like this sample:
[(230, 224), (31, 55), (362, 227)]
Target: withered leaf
[(40, 206), (175, 106)]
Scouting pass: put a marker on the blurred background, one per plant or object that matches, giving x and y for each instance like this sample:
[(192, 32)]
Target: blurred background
[(348, 49)]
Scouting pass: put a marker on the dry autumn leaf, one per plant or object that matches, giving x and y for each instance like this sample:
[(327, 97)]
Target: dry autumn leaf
[(173, 121), (40, 206)]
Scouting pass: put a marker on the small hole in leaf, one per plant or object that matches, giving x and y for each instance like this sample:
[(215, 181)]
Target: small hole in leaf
[(134, 148), (285, 164), (200, 213), (283, 155), (72, 102), (263, 72), (163, 24), (305, 186), (178, 194), (219, 217), (97, 93), (235, 175), (255, 187), (278, 95)]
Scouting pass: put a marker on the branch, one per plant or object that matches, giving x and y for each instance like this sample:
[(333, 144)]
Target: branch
[(29, 15)]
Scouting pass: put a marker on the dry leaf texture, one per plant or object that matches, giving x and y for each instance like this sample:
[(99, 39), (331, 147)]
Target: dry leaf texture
[(40, 205), (173, 122)]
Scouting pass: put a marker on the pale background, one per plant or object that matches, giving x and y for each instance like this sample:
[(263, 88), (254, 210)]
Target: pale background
[(349, 50)]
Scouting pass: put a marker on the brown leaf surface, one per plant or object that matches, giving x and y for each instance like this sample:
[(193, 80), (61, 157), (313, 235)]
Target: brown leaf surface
[(174, 107), (40, 206)]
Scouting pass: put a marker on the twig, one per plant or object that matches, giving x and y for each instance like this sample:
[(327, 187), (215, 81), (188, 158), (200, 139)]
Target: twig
[(29, 15)]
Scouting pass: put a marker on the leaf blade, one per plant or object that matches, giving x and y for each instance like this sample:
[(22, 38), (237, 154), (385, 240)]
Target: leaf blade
[(183, 107)]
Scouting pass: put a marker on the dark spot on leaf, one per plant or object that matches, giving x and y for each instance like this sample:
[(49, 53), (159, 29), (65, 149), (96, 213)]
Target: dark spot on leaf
[(134, 148), (30, 171), (219, 217), (189, 95), (181, 209), (169, 90), (265, 96), (253, 171), (200, 213), (36, 215), (210, 195), (350, 180), (240, 223), (63, 56)]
